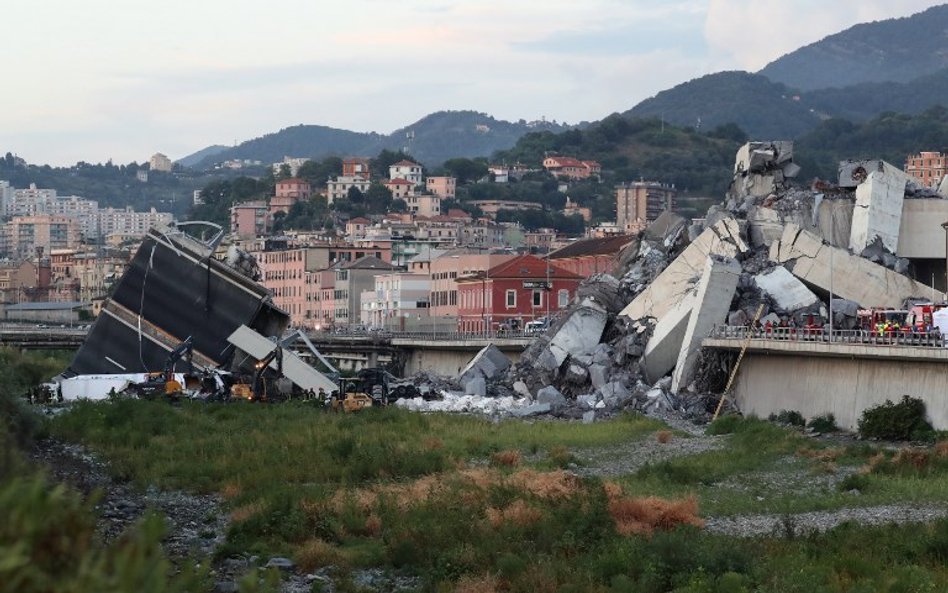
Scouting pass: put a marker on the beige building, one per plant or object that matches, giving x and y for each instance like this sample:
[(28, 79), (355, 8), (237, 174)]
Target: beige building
[(427, 205), (443, 187), (159, 162), (640, 202), (27, 234), (338, 188)]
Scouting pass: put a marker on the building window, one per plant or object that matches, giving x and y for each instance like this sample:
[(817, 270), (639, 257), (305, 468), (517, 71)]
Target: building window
[(537, 298), (562, 298), (511, 299)]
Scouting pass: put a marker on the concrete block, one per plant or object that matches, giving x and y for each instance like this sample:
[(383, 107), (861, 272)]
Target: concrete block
[(878, 209), (531, 410), (920, 232), (786, 291), (521, 389), (764, 226), (552, 396), (581, 332), (943, 186), (615, 394), (597, 375), (723, 238), (852, 173), (589, 417), (712, 303), (663, 347), (853, 278), (476, 386), (489, 363)]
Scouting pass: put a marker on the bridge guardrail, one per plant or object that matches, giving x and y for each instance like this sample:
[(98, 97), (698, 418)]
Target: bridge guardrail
[(420, 335), (843, 336)]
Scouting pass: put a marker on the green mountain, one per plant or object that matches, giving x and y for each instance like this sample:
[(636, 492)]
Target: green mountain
[(632, 149), (890, 136), (431, 140), (763, 108), (893, 50), (195, 158)]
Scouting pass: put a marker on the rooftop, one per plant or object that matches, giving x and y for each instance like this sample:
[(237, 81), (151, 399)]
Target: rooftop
[(584, 247)]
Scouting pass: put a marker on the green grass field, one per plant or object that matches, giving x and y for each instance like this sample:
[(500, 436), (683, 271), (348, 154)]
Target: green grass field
[(473, 505)]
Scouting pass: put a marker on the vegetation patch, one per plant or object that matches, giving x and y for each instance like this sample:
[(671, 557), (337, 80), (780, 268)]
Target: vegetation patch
[(902, 421)]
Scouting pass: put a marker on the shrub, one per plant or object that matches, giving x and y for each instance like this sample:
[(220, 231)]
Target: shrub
[(858, 482), (725, 425), (642, 516), (824, 423), (903, 421), (791, 417), (663, 436), (506, 458)]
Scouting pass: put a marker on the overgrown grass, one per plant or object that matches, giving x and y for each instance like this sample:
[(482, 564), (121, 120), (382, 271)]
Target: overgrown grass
[(472, 505)]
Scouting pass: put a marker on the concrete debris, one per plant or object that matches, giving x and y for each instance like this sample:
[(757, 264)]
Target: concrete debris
[(878, 207), (551, 396), (476, 386), (761, 168), (723, 238), (633, 341), (785, 290), (712, 303), (490, 363), (851, 277), (580, 332)]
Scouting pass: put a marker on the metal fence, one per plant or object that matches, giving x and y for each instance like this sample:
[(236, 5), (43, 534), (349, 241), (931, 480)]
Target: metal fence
[(839, 336)]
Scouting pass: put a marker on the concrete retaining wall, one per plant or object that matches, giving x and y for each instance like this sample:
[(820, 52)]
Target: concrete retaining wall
[(768, 383)]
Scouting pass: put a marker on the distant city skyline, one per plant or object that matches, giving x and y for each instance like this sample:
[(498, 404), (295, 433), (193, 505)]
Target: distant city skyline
[(99, 80)]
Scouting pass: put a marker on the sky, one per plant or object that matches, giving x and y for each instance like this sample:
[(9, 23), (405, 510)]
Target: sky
[(94, 80)]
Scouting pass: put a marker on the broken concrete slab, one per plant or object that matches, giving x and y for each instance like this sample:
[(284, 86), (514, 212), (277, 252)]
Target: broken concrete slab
[(665, 227), (581, 331), (662, 349), (615, 394), (490, 363), (531, 410), (294, 368), (712, 303), (785, 290), (853, 277), (724, 238), (878, 208), (521, 389)]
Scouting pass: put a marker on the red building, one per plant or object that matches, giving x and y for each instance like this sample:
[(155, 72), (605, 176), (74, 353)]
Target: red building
[(591, 256), (512, 293)]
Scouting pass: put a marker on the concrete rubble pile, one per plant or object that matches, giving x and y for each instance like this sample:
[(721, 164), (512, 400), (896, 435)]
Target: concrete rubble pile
[(633, 341)]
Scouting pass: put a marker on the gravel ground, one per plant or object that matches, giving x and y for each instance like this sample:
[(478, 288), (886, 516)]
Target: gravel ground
[(195, 524), (800, 523), (629, 457)]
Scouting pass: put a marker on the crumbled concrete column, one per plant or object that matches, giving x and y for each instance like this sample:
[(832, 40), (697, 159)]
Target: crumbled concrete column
[(853, 277), (786, 291), (878, 209), (712, 303), (679, 278)]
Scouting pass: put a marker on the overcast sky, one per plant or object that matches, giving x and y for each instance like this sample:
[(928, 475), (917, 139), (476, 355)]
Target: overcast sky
[(98, 79)]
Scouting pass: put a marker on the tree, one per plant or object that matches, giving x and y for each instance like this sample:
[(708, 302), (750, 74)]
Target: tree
[(398, 205), (378, 198), (380, 164), (355, 196), (466, 170), (285, 172)]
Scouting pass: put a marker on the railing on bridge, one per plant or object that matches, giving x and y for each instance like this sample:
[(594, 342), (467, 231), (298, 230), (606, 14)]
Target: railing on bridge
[(444, 336), (838, 336)]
